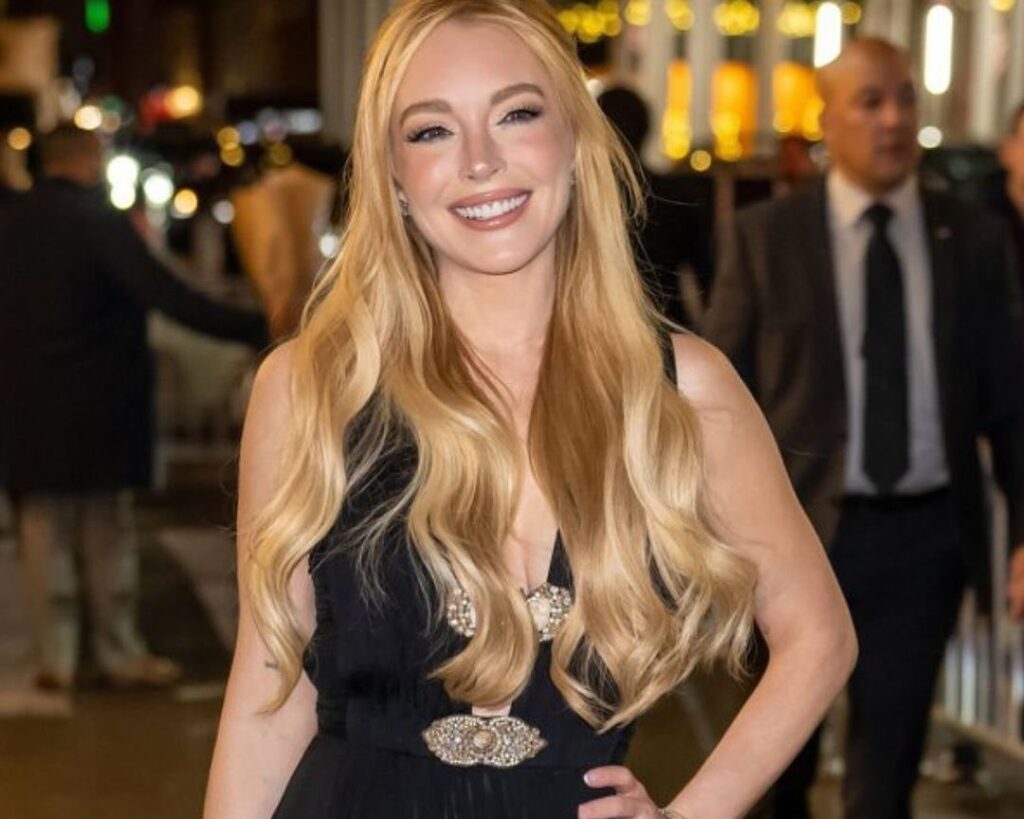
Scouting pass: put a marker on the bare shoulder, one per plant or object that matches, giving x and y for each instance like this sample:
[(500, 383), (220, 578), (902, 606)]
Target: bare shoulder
[(266, 422), (705, 376), (273, 377), (270, 398)]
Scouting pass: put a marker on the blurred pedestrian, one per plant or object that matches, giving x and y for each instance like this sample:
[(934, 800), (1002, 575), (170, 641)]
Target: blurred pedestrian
[(280, 220), (797, 167), (879, 328), (673, 241), (76, 404)]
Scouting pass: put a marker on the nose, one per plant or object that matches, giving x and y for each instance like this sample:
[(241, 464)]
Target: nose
[(482, 156), (896, 113)]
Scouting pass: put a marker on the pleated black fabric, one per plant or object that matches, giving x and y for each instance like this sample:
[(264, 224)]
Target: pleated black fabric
[(370, 662)]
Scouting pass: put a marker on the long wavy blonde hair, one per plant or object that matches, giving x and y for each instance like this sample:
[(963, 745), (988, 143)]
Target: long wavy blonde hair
[(615, 448)]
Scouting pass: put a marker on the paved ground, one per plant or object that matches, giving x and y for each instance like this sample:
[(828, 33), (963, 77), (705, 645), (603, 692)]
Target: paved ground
[(110, 755)]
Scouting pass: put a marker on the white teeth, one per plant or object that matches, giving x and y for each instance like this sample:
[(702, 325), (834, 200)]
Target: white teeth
[(492, 210)]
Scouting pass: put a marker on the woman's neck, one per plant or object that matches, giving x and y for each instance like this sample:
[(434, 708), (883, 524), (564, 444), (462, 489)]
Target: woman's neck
[(501, 315)]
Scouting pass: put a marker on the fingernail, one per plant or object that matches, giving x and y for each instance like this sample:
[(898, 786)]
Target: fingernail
[(586, 777)]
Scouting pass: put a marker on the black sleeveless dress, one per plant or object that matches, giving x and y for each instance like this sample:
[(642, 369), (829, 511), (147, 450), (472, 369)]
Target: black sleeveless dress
[(370, 663)]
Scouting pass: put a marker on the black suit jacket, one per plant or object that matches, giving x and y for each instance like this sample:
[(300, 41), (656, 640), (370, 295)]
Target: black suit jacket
[(76, 281), (773, 311)]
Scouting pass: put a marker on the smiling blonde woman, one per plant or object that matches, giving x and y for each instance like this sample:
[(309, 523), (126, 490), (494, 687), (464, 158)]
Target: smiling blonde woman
[(489, 510)]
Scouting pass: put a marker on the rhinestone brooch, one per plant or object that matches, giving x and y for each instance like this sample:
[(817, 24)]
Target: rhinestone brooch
[(500, 742), (548, 604)]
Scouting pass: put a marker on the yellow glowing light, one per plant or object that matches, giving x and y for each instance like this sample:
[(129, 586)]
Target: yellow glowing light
[(20, 139), (811, 124), (184, 101), (638, 12), (569, 19), (733, 109), (676, 133), (795, 98), (851, 13), (233, 156), (1002, 5), (186, 203), (796, 20), (229, 137), (88, 117), (737, 18), (700, 161), (680, 13), (612, 26), (591, 27)]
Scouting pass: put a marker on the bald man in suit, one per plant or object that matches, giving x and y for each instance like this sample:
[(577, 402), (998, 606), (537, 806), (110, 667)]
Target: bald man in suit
[(879, 327)]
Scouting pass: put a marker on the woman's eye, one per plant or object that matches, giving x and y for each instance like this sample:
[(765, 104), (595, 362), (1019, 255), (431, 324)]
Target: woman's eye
[(522, 115), (428, 134)]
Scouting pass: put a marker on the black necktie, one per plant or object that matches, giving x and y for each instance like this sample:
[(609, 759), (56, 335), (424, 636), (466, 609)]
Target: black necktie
[(886, 422)]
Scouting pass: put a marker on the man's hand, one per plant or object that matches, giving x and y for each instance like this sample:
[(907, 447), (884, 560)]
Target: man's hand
[(1016, 584)]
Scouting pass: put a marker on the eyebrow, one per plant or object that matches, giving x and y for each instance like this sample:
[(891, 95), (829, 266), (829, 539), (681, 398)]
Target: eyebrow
[(442, 107)]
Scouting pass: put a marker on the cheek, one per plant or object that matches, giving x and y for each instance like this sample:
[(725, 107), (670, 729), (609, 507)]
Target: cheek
[(421, 172), (546, 153)]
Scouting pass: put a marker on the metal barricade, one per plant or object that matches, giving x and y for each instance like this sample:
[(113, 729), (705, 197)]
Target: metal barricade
[(981, 692)]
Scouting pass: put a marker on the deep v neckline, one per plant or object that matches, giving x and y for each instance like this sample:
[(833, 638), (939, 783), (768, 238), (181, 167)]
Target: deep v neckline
[(558, 575), (555, 567)]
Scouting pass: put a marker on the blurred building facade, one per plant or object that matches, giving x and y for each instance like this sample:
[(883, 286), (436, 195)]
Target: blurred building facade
[(728, 78)]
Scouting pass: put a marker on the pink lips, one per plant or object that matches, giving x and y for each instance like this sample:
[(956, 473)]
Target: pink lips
[(500, 221)]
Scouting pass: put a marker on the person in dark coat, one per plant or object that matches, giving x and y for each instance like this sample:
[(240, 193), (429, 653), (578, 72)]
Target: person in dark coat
[(76, 403), (674, 239), (1011, 199), (879, 327)]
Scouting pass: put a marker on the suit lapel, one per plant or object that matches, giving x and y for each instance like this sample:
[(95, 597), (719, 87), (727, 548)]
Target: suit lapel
[(940, 241), (816, 249)]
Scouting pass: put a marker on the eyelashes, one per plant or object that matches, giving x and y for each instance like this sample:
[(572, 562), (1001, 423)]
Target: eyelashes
[(426, 134), (520, 115)]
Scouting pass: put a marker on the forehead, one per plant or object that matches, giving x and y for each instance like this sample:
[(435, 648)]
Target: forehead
[(873, 70), (467, 60)]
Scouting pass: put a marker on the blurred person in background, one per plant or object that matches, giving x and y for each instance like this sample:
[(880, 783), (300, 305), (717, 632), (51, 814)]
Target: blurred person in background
[(879, 327), (1011, 201), (797, 167), (674, 238), (76, 405), (280, 220)]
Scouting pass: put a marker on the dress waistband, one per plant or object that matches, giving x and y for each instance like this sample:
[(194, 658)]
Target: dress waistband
[(465, 740)]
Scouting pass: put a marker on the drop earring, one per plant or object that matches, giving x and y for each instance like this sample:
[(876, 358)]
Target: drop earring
[(403, 205)]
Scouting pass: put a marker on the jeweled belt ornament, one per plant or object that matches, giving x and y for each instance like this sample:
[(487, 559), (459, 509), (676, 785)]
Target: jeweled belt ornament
[(548, 604), (466, 740)]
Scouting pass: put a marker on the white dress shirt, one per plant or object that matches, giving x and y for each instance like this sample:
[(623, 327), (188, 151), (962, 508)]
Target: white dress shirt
[(851, 231)]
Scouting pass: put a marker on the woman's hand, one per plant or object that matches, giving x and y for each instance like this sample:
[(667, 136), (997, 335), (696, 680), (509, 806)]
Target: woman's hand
[(630, 799)]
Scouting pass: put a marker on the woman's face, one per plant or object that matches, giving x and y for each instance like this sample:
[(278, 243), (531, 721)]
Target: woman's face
[(482, 152)]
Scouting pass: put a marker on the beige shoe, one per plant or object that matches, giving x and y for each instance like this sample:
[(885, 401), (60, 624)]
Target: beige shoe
[(148, 671)]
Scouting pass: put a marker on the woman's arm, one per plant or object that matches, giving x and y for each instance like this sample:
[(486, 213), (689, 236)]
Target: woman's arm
[(800, 609), (255, 755)]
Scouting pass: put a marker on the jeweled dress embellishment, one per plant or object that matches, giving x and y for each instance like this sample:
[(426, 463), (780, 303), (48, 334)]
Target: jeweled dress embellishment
[(465, 740), (548, 604)]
